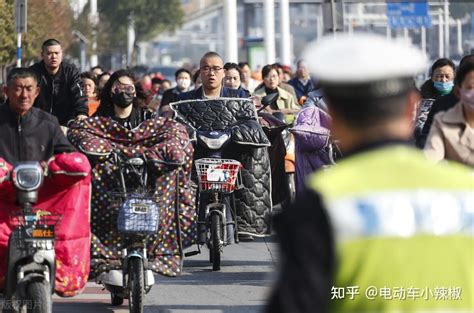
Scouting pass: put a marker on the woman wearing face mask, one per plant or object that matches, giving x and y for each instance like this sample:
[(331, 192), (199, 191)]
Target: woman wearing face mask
[(441, 83), (183, 84), (117, 98), (452, 133)]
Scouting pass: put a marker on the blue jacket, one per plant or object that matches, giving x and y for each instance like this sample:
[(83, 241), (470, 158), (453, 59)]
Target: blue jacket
[(225, 93), (300, 89)]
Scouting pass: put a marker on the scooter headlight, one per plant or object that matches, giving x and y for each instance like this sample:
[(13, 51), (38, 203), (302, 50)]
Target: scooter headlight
[(215, 143), (136, 161), (27, 177)]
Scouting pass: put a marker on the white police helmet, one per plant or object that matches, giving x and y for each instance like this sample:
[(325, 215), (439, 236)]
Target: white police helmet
[(386, 67)]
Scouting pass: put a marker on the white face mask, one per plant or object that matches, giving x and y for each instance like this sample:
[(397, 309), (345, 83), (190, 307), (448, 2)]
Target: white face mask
[(183, 83)]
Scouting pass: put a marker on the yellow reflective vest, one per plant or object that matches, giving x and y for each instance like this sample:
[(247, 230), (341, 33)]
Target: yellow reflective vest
[(404, 232)]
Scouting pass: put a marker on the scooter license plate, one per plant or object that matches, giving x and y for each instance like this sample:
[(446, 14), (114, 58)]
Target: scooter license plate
[(140, 208), (217, 174)]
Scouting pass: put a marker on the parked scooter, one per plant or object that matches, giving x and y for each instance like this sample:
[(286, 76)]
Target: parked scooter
[(31, 258)]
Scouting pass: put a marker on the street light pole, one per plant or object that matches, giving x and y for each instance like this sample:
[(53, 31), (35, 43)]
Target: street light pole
[(130, 38), (423, 39), (230, 26), (459, 32), (20, 25), (446, 29), (94, 19), (269, 30), (83, 47), (333, 17), (285, 44), (440, 34)]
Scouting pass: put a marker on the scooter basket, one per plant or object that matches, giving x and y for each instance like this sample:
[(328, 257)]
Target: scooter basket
[(217, 174), (138, 215)]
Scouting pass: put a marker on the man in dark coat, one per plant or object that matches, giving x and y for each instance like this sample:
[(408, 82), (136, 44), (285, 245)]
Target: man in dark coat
[(212, 73), (302, 82), (60, 85), (27, 133)]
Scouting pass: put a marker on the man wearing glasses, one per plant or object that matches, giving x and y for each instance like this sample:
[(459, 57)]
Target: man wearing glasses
[(212, 73)]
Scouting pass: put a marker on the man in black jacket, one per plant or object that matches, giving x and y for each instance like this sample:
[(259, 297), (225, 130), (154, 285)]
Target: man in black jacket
[(60, 86), (27, 133)]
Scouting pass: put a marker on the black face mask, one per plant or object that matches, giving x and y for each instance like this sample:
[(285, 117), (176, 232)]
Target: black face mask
[(122, 99)]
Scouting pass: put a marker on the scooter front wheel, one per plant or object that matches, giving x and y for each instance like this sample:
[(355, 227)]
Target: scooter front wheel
[(216, 239), (39, 295), (136, 285)]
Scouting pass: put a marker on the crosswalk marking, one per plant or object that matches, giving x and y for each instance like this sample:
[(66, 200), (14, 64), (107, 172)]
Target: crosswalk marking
[(92, 292)]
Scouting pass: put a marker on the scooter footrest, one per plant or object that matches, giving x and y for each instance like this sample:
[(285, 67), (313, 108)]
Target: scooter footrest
[(191, 253)]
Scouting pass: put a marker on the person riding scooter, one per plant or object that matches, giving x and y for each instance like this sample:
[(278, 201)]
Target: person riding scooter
[(28, 134), (252, 205), (122, 143), (282, 150)]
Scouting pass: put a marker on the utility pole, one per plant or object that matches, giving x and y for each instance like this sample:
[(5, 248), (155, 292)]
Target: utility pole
[(130, 38), (333, 17), (446, 29), (459, 32), (230, 27), (440, 34), (285, 43), (269, 30), (423, 39), (21, 15), (94, 20), (83, 43)]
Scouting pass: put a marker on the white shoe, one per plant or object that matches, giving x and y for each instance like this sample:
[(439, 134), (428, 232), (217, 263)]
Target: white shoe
[(150, 278)]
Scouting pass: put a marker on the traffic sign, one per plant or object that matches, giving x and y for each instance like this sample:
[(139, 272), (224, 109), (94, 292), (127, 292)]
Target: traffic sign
[(408, 14), (20, 15)]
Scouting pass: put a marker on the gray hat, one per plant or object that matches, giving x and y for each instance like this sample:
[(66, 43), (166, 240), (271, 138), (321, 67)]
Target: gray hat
[(364, 65)]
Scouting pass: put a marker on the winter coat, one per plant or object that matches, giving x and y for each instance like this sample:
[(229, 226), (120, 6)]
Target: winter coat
[(62, 94), (248, 145), (285, 99), (451, 138), (429, 95), (300, 89), (225, 93), (35, 136)]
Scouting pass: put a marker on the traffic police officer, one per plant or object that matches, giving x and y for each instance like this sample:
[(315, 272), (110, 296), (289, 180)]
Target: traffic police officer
[(384, 230)]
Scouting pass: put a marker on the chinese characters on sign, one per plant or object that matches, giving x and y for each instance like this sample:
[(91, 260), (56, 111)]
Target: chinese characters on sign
[(397, 293), (408, 14)]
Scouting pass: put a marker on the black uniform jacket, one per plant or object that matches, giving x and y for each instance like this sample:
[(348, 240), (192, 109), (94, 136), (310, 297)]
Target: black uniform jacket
[(62, 94), (308, 251), (35, 136)]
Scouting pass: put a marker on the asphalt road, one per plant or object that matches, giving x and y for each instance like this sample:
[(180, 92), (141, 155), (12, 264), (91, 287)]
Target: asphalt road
[(242, 285)]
